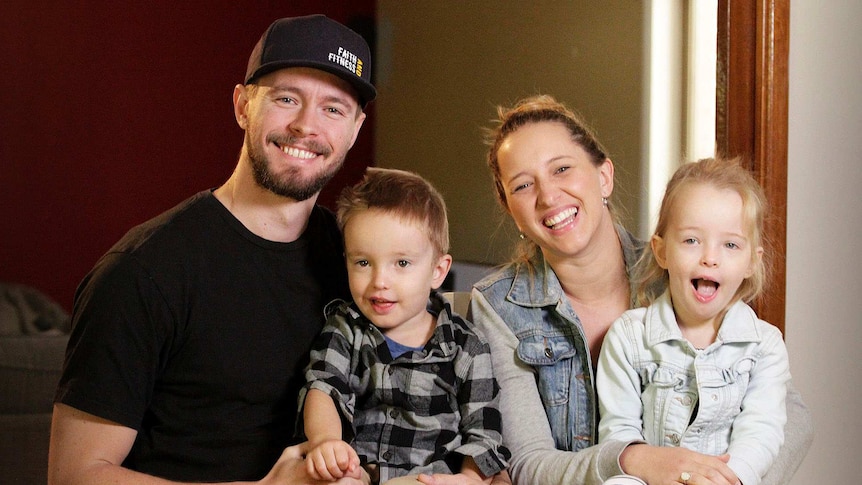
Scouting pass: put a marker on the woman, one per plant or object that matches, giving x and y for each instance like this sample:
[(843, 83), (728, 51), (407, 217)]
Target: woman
[(546, 313)]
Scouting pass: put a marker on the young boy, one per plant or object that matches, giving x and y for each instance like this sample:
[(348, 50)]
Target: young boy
[(395, 373)]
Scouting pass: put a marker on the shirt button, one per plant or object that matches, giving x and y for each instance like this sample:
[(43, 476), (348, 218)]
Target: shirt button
[(686, 401), (393, 413), (387, 455), (549, 353), (715, 397), (674, 438)]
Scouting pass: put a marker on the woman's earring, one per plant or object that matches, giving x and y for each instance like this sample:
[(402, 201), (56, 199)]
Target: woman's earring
[(605, 201), (522, 236)]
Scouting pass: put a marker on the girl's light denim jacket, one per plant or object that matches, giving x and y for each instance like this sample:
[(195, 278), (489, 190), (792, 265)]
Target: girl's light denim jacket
[(530, 299), (726, 398)]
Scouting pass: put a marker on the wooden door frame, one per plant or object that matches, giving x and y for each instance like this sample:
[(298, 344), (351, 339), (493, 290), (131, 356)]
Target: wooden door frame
[(751, 118)]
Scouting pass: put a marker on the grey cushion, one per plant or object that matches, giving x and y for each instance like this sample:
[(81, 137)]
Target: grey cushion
[(30, 367)]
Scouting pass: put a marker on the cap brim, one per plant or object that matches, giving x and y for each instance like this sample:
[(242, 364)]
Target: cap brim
[(365, 90)]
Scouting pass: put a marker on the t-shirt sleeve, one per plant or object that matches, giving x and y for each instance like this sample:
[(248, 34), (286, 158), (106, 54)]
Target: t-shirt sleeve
[(118, 335)]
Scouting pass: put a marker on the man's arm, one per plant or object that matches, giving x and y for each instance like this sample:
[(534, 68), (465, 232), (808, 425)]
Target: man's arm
[(88, 450)]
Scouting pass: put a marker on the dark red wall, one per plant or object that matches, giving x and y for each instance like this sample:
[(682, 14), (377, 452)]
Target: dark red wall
[(115, 111)]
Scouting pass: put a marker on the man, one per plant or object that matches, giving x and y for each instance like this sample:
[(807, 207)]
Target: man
[(190, 335)]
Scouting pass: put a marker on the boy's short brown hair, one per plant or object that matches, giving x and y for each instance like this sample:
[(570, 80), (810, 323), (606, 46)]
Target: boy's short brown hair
[(404, 194)]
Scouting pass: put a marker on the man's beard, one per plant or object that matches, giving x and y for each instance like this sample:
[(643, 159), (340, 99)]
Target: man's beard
[(290, 183)]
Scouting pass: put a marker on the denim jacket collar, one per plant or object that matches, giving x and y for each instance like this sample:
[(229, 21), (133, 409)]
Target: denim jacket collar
[(738, 325), (537, 285)]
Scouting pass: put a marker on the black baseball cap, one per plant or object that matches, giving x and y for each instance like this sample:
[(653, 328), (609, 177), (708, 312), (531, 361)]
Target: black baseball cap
[(314, 41)]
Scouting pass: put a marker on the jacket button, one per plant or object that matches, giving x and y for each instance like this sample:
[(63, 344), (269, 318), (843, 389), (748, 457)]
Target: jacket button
[(548, 352)]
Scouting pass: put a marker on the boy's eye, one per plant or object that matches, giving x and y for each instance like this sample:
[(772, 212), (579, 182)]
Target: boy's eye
[(689, 240), (362, 263), (403, 263)]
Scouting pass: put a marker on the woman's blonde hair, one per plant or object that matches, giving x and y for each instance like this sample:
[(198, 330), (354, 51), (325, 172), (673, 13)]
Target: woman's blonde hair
[(651, 279)]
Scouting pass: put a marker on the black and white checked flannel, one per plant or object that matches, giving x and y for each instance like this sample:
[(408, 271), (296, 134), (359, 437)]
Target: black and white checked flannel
[(419, 413)]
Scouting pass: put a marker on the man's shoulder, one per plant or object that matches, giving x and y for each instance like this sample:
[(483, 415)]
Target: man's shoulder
[(190, 218)]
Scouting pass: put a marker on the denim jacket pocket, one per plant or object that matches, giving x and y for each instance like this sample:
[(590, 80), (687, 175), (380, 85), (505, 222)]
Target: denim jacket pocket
[(669, 402), (549, 355)]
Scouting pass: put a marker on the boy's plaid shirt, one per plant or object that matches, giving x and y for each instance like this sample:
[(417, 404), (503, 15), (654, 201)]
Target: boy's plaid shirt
[(418, 413)]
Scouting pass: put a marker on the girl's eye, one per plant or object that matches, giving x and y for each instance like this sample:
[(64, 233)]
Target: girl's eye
[(519, 188), (689, 240), (362, 263), (731, 245), (403, 263)]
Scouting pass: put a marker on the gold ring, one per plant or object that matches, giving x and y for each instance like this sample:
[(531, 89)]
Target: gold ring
[(685, 477)]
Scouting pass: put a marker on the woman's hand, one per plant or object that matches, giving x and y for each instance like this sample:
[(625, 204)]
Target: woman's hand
[(501, 478), (658, 465)]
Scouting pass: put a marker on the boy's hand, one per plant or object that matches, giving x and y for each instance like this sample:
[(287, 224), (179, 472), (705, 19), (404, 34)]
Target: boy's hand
[(333, 459)]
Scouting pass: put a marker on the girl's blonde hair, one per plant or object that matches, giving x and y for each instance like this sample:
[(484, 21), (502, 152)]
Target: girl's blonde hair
[(651, 279)]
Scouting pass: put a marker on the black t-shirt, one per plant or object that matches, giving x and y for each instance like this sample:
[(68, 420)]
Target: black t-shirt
[(194, 331)]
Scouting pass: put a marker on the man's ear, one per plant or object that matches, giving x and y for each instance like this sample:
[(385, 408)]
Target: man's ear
[(360, 119), (441, 270), (240, 105), (658, 250)]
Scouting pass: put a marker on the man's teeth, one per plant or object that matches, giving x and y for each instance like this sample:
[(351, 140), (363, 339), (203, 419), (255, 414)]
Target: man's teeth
[(562, 216), (296, 152)]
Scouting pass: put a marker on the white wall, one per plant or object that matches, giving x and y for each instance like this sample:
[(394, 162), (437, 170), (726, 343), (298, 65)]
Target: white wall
[(824, 232)]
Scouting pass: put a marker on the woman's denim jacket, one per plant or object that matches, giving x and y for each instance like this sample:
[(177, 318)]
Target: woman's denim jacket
[(531, 301)]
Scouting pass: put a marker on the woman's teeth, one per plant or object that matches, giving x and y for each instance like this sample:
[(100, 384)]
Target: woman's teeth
[(564, 216)]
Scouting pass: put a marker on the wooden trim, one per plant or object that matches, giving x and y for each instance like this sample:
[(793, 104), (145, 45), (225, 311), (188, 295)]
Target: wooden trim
[(751, 118)]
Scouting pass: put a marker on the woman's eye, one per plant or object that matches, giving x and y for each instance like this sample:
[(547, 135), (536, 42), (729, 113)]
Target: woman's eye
[(561, 169), (519, 188)]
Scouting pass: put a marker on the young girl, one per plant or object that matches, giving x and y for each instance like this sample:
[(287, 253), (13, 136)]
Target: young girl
[(696, 368)]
